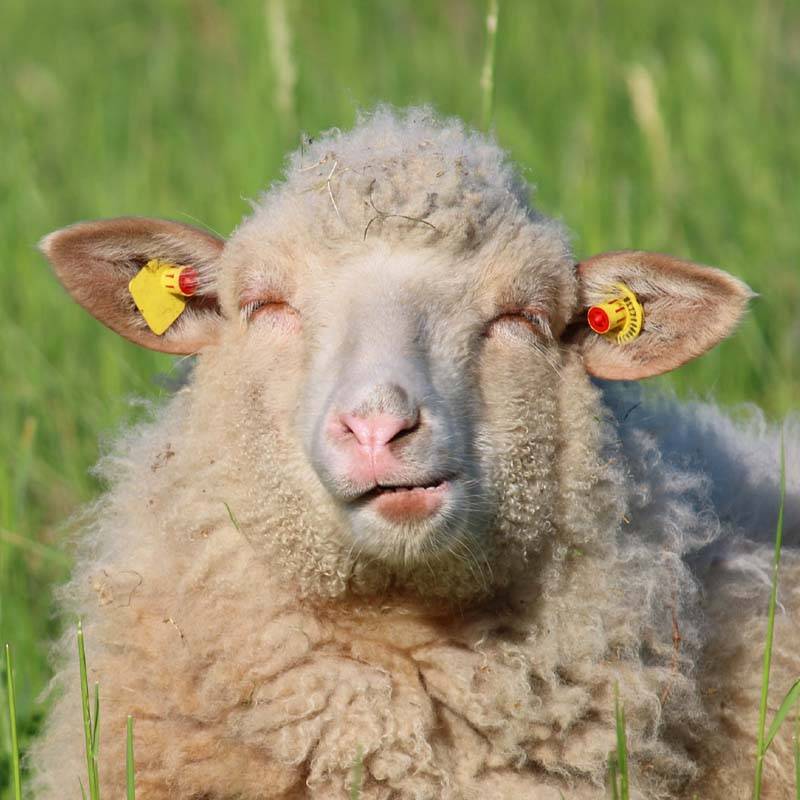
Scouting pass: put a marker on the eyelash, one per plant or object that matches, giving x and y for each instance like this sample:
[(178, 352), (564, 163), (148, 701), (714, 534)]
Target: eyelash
[(536, 320), (248, 310)]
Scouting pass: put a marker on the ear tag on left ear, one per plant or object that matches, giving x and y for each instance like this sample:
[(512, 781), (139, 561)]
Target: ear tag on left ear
[(159, 289), (619, 319)]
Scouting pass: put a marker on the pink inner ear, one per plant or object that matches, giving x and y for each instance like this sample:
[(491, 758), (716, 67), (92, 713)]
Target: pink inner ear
[(688, 308)]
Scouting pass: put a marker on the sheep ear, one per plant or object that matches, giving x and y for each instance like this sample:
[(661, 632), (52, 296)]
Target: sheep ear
[(688, 309), (95, 261)]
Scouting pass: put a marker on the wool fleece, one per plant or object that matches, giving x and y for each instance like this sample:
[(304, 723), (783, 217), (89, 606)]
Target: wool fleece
[(409, 514)]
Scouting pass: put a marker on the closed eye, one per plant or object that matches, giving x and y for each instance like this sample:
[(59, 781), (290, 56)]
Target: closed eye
[(534, 320), (278, 311)]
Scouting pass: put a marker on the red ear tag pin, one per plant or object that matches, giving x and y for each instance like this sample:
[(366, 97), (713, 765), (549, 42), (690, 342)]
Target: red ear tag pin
[(180, 280), (620, 318)]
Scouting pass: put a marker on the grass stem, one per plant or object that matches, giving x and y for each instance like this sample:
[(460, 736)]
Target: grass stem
[(623, 791), (487, 73), (12, 722), (130, 766), (357, 775), (762, 743), (796, 749), (90, 730)]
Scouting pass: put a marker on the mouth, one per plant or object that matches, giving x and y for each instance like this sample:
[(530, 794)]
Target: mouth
[(404, 503)]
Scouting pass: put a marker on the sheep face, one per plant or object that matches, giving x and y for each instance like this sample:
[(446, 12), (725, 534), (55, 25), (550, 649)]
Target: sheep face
[(383, 346), (419, 394)]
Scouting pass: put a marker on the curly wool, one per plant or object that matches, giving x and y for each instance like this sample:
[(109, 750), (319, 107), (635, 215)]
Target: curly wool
[(225, 611)]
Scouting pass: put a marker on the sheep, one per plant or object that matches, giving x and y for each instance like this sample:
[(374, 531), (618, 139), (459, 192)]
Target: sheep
[(409, 509)]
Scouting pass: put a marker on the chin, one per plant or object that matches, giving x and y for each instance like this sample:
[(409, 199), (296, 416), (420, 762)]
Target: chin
[(406, 527)]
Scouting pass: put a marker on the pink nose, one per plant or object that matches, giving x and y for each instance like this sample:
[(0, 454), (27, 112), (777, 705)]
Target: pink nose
[(377, 430)]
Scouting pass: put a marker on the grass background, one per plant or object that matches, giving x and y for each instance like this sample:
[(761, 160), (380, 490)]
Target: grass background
[(658, 125)]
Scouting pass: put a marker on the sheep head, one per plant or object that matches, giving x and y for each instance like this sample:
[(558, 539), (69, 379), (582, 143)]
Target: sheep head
[(393, 324)]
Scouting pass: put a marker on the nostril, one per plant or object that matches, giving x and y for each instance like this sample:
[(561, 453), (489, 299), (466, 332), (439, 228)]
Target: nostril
[(378, 430), (412, 425)]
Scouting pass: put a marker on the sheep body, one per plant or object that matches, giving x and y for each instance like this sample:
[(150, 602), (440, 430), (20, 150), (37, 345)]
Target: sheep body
[(226, 613)]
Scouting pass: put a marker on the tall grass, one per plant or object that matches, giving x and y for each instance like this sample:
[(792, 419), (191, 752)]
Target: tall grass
[(764, 737), (487, 73), (130, 762), (796, 751), (618, 769), (91, 720), (11, 697), (653, 125)]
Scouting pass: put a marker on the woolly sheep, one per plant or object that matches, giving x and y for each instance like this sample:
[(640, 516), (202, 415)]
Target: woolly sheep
[(265, 592)]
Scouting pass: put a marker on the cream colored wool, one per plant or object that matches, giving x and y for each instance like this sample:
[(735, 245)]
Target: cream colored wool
[(260, 659)]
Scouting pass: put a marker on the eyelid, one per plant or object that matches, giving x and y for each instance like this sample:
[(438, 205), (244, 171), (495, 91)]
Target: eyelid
[(537, 318), (249, 304)]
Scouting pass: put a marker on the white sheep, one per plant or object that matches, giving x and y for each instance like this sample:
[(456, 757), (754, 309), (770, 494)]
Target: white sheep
[(392, 517)]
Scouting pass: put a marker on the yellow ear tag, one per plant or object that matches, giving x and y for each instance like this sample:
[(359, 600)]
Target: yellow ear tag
[(159, 289), (619, 319)]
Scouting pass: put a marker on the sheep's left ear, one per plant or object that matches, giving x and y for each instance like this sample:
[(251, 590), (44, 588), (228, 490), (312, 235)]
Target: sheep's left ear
[(688, 309)]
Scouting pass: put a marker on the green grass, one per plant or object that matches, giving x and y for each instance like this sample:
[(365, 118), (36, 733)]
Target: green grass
[(796, 750), (618, 769), (764, 738), (357, 775), (666, 126), (130, 762), (11, 694), (91, 722)]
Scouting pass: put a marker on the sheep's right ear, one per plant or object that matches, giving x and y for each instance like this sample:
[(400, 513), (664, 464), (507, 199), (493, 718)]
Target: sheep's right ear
[(95, 261)]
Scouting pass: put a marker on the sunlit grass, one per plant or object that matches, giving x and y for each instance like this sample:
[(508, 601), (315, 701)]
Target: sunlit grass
[(357, 775), (11, 699), (91, 719), (764, 738), (796, 751), (618, 768), (130, 762)]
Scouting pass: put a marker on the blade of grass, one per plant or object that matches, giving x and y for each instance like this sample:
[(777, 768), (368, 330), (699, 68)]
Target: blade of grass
[(95, 722), (761, 746), (622, 747), (88, 730), (786, 706), (12, 722), (796, 747), (358, 775), (613, 778), (487, 73), (234, 521), (130, 768)]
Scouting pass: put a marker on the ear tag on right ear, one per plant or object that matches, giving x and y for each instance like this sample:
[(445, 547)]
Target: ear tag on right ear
[(619, 319), (159, 289)]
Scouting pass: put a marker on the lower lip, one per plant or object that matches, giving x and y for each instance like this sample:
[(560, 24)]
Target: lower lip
[(403, 505)]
